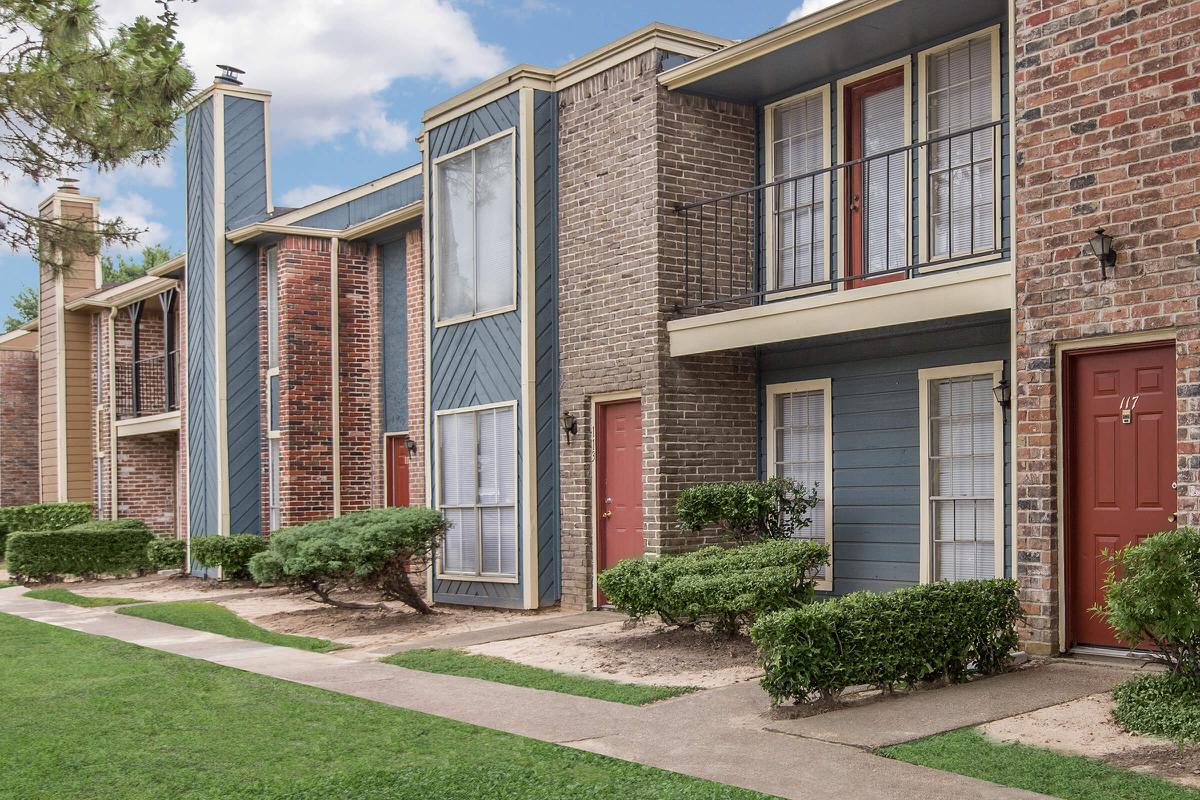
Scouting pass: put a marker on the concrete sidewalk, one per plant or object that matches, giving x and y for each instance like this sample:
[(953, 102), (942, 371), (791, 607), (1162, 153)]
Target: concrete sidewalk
[(718, 734)]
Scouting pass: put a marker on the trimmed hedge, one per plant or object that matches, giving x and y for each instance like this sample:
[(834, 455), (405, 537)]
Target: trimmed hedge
[(163, 553), (231, 553), (99, 547), (904, 637), (722, 587), (748, 511), (41, 517)]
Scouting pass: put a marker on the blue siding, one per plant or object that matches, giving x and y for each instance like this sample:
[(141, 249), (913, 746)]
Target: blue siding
[(395, 336), (478, 361), (367, 207), (245, 162), (243, 415), (876, 441)]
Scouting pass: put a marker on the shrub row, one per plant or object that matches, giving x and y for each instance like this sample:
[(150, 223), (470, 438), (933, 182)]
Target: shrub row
[(231, 553), (163, 553), (939, 630), (365, 549), (748, 511), (41, 517), (1166, 704), (99, 547), (722, 587)]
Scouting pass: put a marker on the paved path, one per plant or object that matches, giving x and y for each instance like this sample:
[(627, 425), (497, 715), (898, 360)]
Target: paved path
[(717, 734)]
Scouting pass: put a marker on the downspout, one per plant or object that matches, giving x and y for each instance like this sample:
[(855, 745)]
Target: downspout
[(335, 361), (112, 410)]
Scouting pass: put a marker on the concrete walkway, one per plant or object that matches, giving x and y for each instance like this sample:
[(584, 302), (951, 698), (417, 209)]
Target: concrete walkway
[(718, 734)]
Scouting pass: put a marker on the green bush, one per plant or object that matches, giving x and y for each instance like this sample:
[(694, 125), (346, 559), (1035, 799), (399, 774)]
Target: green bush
[(231, 553), (366, 549), (722, 587), (920, 633), (41, 517), (163, 553), (1166, 704), (1153, 595), (100, 547), (748, 511)]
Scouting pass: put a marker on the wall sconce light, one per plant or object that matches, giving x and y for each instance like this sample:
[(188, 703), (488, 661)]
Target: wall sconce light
[(1003, 393), (411, 446), (569, 425), (1102, 248)]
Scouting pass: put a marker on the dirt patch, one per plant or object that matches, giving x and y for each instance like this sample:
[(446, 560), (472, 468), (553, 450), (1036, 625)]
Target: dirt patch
[(1085, 727), (165, 588), (642, 653)]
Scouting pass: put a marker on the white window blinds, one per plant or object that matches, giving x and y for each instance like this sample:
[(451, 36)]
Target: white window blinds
[(475, 230), (962, 174), (799, 204), (962, 473), (477, 454), (800, 451), (885, 186)]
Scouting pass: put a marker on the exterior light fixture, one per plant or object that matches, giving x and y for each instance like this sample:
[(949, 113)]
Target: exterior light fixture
[(411, 446), (1102, 248), (569, 425), (1003, 394)]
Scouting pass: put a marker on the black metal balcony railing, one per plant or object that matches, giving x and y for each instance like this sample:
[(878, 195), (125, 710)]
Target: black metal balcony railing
[(733, 242), (147, 386)]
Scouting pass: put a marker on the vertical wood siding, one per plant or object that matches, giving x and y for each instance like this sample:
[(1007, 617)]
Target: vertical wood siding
[(392, 257)]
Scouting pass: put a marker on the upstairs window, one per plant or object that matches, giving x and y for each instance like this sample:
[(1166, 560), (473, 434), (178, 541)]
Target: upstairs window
[(797, 131), (475, 226)]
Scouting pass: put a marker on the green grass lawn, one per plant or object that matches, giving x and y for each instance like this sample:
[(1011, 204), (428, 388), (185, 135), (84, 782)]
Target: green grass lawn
[(59, 595), (968, 752), (6, 584), (212, 618), (89, 717), (501, 670)]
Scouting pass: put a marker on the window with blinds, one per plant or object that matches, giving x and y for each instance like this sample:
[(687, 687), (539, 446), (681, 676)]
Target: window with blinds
[(478, 490), (885, 181), (962, 169), (798, 205), (799, 451), (962, 474), (474, 226)]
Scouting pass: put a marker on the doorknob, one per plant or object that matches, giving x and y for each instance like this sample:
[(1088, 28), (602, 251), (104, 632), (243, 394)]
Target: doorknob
[(1170, 517), (606, 514)]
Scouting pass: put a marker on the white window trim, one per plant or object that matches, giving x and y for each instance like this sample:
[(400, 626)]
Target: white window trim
[(843, 173), (769, 152), (824, 385), (961, 259), (469, 577), (925, 378), (433, 230)]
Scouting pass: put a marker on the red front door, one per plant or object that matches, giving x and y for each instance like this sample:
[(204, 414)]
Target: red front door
[(618, 484), (1120, 467), (397, 470), (875, 206)]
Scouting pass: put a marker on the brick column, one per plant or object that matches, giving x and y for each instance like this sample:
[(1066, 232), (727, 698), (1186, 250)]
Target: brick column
[(415, 279)]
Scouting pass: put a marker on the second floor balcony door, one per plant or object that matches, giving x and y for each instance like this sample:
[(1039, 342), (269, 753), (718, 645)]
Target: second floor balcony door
[(877, 191)]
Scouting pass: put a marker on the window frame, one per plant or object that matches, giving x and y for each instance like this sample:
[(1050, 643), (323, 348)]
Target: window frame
[(824, 385), (274, 359), (923, 238), (435, 195), (769, 206), (925, 380), (436, 473)]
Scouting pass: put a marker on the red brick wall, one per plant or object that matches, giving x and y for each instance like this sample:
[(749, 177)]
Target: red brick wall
[(359, 360), (146, 479), (415, 278), (1107, 126), (18, 427)]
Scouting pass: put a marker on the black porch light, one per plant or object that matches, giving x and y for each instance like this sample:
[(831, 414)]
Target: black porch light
[(411, 446), (1003, 394), (569, 425), (1102, 248)]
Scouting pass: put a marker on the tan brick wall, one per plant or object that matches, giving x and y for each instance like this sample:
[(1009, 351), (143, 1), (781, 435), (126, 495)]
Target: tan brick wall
[(1107, 126), (414, 255)]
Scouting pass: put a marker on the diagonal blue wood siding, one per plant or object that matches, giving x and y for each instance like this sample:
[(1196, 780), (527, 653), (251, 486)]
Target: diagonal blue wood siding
[(876, 439), (366, 207), (395, 335)]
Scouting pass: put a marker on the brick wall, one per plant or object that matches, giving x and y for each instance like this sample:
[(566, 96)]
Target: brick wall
[(359, 361), (414, 267), (18, 427), (146, 480), (1107, 126), (627, 151)]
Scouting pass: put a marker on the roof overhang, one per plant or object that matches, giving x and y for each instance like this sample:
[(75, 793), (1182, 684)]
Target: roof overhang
[(830, 42), (169, 268), (21, 338), (123, 294), (270, 229), (341, 198)]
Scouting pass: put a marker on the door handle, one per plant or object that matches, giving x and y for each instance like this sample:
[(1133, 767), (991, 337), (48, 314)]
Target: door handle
[(606, 514), (854, 203), (1171, 517)]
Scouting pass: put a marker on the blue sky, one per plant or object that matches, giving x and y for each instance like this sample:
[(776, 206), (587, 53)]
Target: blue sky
[(351, 78)]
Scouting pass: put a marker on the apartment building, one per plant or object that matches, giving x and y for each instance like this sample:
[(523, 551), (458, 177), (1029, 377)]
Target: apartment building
[(858, 250)]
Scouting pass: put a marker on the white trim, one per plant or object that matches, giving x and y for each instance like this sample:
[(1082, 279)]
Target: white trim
[(222, 421), (335, 369), (60, 363), (341, 198), (825, 386), (1013, 334), (220, 87), (112, 410), (154, 423), (427, 423), (924, 378), (267, 151), (365, 228), (595, 400), (516, 213), (528, 406)]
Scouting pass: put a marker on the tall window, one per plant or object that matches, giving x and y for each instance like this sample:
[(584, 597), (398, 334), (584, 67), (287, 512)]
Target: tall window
[(274, 506), (478, 492), (798, 205), (959, 95), (798, 422), (474, 207), (964, 468)]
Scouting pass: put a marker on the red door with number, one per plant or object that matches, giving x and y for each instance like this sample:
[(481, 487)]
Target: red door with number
[(618, 484), (397, 471), (1120, 467)]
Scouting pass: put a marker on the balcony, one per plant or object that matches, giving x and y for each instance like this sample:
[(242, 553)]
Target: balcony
[(147, 387)]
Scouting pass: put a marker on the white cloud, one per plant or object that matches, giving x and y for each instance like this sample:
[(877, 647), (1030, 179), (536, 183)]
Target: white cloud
[(303, 195), (810, 7), (328, 62), (137, 212)]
